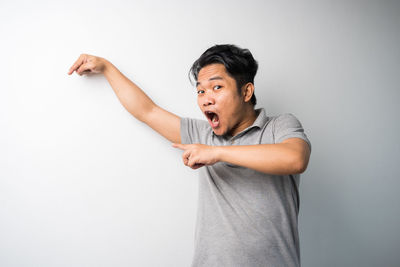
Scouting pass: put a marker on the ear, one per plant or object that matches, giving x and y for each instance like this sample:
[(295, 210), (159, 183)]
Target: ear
[(247, 91)]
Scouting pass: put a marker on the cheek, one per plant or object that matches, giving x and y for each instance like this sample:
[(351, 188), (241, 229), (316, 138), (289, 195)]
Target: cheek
[(199, 102), (229, 102), (226, 109)]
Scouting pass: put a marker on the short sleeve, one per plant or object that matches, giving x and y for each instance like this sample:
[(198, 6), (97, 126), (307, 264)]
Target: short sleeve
[(193, 131), (288, 126)]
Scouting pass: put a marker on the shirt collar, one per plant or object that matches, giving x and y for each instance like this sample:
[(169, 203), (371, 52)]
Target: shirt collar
[(261, 119)]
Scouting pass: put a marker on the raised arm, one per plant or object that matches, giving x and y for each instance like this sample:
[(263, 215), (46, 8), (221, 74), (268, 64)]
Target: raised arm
[(131, 96)]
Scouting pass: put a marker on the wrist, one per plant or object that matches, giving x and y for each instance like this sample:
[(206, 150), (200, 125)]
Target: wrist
[(218, 150), (107, 66)]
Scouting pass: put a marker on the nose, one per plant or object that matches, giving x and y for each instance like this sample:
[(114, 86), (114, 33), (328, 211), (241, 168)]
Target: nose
[(208, 99)]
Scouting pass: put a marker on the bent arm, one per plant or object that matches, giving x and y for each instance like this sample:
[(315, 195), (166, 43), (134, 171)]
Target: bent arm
[(288, 157), (141, 106), (291, 156)]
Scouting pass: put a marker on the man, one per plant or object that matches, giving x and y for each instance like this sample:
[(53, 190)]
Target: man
[(251, 163)]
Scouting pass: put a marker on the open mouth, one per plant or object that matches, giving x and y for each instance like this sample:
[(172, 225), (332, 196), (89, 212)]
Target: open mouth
[(213, 118)]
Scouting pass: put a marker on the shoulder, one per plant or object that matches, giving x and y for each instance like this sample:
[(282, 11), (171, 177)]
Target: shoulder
[(286, 116), (287, 126), (286, 120), (195, 124), (194, 130)]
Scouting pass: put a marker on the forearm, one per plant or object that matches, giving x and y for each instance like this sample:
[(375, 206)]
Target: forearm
[(129, 94), (278, 159)]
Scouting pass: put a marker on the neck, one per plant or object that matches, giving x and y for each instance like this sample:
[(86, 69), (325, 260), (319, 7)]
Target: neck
[(249, 115)]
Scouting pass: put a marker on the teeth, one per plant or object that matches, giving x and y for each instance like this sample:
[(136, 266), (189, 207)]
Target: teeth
[(212, 116)]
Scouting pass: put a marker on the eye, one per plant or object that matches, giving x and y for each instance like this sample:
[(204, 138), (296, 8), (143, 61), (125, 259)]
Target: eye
[(217, 87), (200, 92)]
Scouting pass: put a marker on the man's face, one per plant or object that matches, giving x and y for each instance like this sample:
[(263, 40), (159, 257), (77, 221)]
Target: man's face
[(218, 98)]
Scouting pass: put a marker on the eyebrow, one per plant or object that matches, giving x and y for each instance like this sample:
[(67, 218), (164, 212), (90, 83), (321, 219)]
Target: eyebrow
[(211, 79)]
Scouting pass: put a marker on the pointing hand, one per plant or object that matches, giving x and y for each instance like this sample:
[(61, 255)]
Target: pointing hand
[(88, 64), (198, 155)]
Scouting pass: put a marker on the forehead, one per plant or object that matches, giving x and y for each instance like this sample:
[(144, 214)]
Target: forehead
[(212, 71)]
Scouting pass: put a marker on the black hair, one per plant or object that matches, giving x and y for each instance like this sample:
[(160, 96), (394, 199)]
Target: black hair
[(238, 62)]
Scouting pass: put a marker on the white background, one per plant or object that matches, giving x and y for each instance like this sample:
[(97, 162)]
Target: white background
[(82, 183)]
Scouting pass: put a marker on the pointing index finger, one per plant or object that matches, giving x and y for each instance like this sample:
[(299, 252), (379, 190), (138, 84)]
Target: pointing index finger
[(180, 146), (76, 65)]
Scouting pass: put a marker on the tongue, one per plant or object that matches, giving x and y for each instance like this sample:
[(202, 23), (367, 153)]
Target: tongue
[(215, 121)]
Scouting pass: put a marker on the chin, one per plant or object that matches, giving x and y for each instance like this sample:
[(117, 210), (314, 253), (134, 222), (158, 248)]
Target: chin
[(219, 131)]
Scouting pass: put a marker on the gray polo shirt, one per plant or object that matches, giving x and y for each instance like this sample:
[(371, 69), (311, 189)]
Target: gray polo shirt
[(245, 217)]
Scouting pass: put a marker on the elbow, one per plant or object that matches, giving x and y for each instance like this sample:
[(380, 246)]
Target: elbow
[(302, 168), (299, 165), (145, 113), (298, 158)]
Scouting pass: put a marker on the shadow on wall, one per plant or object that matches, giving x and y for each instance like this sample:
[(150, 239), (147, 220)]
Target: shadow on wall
[(338, 230)]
